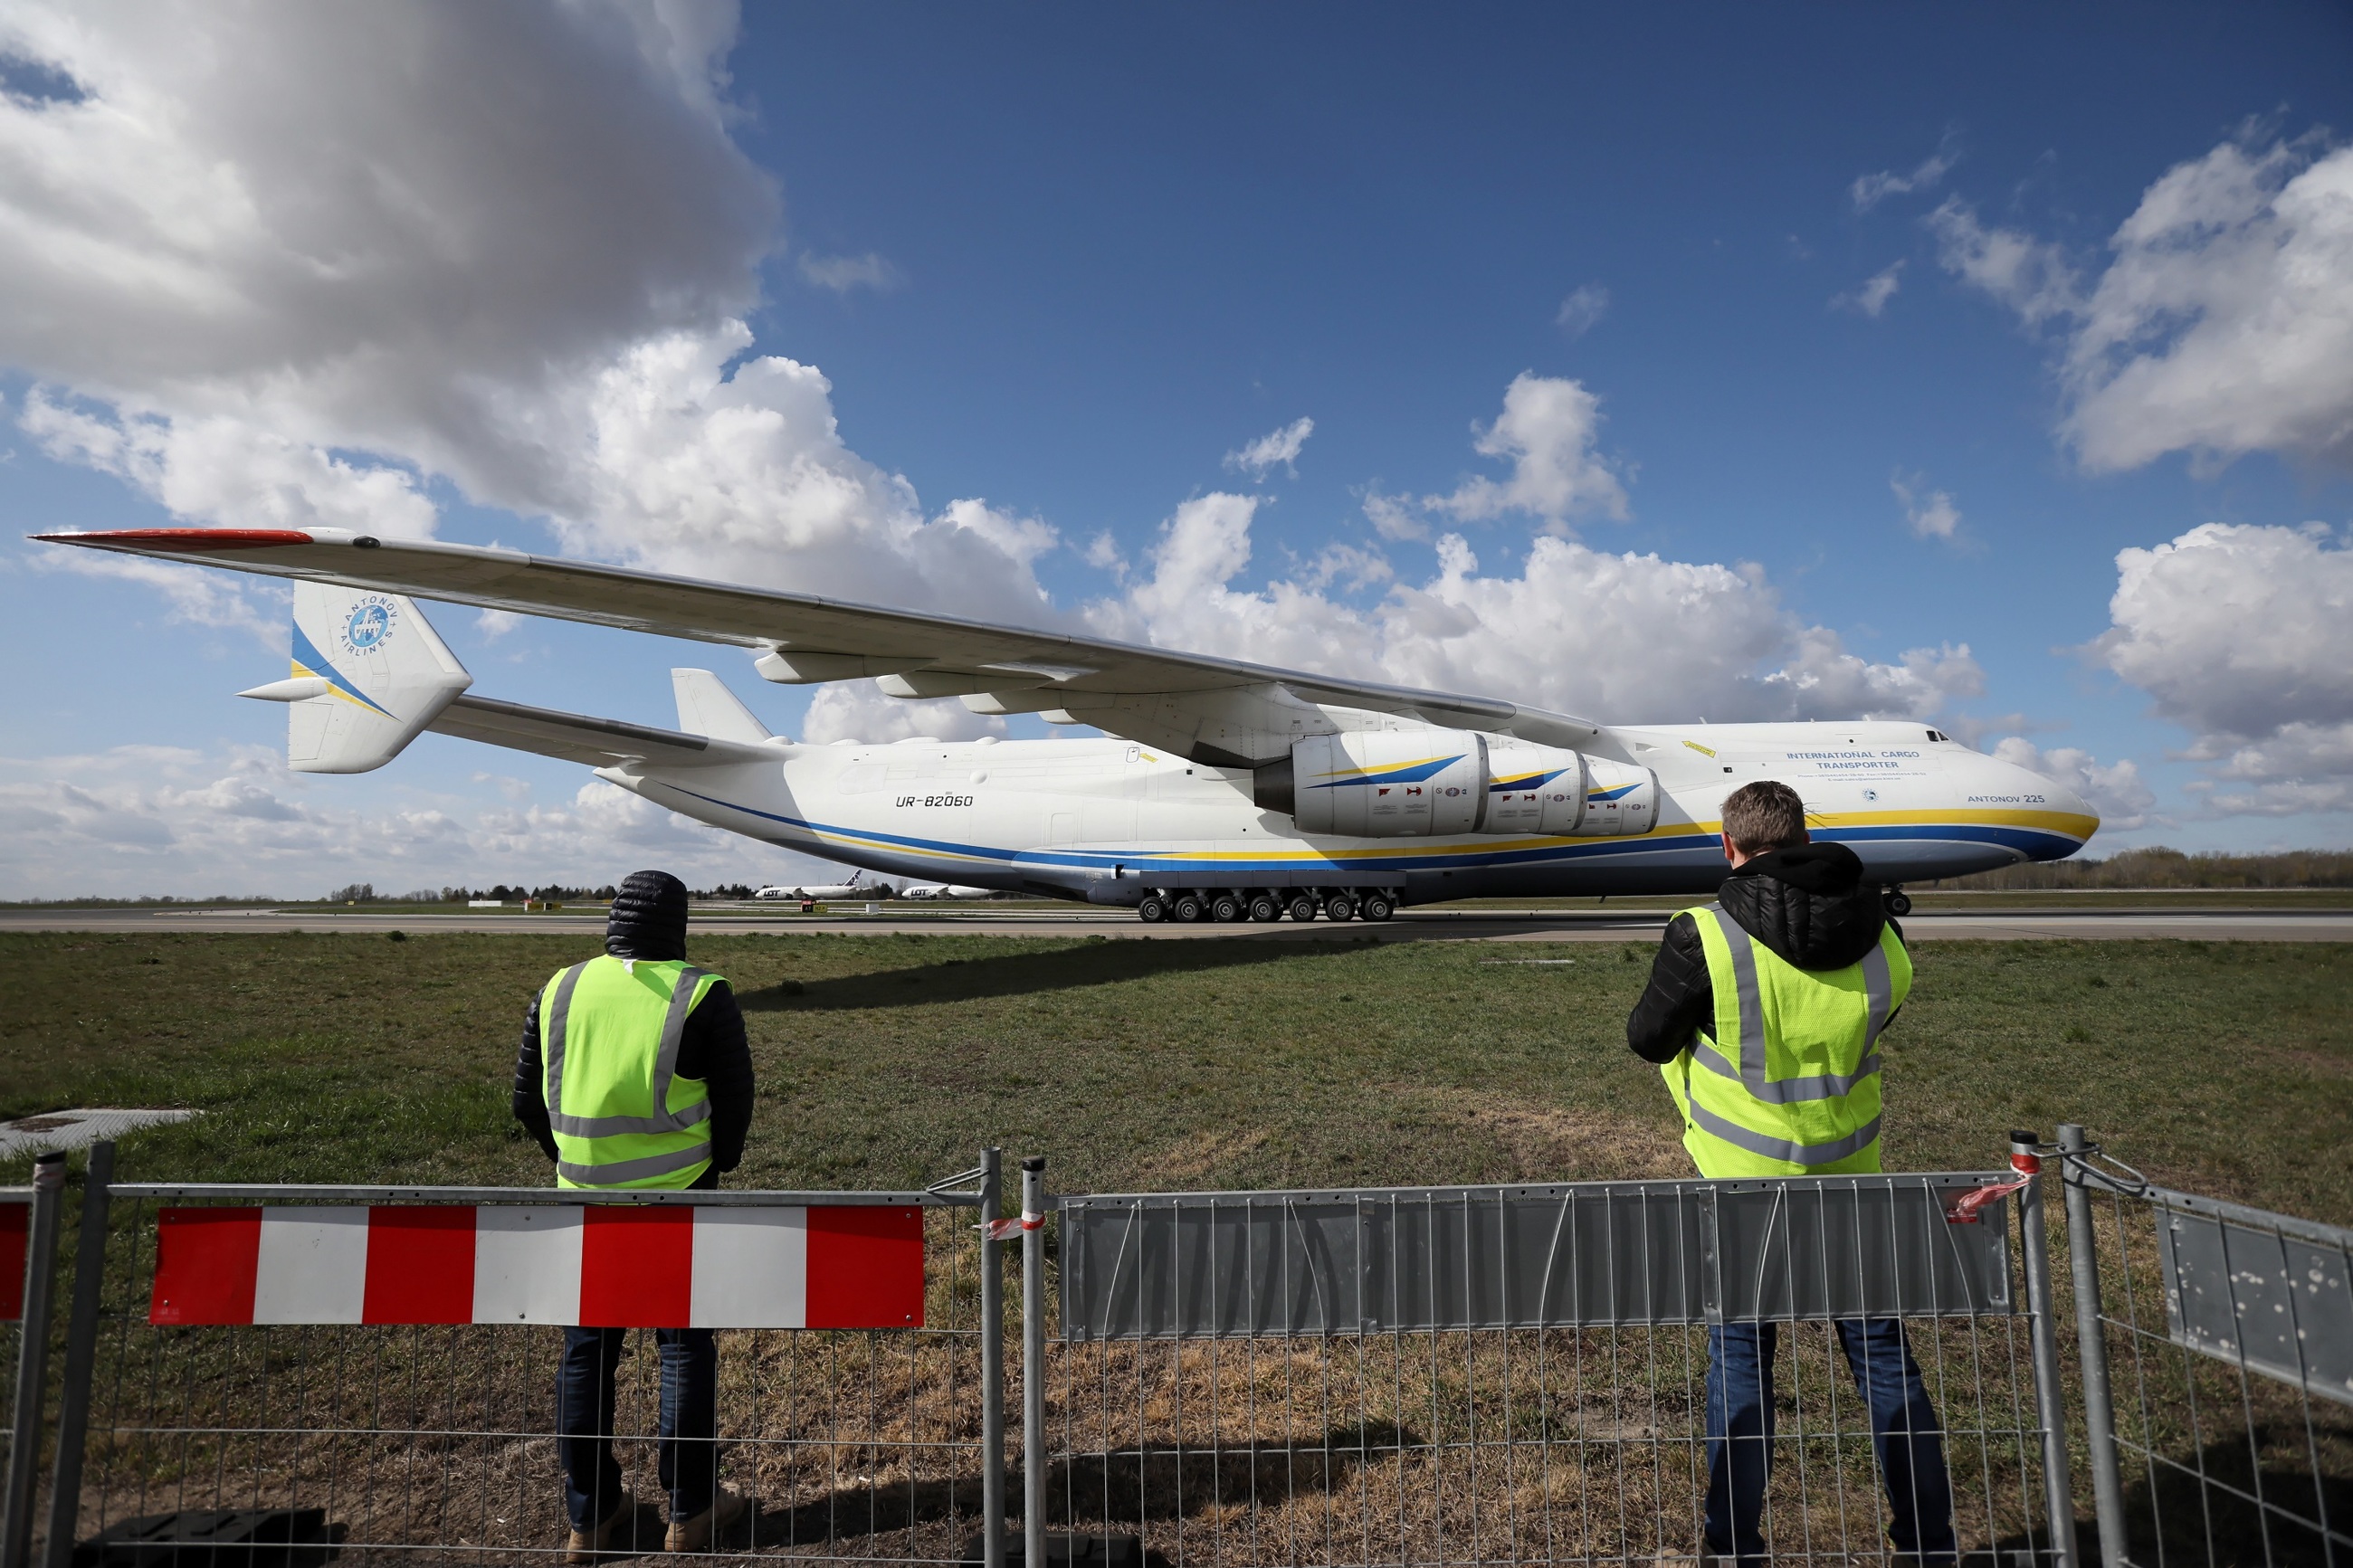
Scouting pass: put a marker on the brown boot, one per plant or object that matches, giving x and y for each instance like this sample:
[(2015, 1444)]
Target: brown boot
[(585, 1546), (698, 1533)]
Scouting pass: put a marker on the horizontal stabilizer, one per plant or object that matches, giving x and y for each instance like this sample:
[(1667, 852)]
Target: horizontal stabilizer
[(598, 742)]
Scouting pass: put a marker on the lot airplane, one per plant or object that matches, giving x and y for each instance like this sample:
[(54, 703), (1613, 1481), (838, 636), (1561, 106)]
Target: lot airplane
[(1224, 790)]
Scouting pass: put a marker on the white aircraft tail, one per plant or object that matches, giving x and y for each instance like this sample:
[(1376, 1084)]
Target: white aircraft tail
[(705, 707), (368, 675)]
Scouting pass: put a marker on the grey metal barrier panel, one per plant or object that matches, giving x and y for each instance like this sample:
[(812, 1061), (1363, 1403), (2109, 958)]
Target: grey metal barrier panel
[(2216, 1349), (1520, 1374), (2261, 1289), (15, 1209), (439, 1440), (1241, 1264)]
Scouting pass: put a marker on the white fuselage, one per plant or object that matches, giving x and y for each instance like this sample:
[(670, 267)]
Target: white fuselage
[(1100, 819)]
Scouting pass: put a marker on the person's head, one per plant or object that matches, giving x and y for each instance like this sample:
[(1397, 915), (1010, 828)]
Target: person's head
[(1767, 815), (649, 918)]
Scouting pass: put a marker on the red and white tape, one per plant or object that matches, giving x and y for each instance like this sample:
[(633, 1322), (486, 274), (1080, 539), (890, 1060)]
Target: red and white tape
[(16, 1220), (602, 1266)]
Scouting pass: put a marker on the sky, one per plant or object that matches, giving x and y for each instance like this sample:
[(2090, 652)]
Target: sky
[(1987, 366)]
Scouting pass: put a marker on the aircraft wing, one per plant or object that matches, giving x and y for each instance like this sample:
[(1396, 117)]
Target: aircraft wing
[(577, 737), (810, 639)]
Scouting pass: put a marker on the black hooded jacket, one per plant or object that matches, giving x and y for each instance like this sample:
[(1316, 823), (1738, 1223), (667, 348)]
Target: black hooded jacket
[(1807, 902), (647, 921)]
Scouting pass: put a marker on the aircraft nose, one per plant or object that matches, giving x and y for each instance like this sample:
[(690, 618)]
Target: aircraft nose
[(2056, 798)]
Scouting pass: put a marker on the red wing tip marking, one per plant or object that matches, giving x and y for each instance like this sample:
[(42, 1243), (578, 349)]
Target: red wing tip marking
[(186, 538)]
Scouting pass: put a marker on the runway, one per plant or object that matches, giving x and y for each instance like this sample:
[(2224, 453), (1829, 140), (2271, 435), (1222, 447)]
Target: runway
[(2072, 923)]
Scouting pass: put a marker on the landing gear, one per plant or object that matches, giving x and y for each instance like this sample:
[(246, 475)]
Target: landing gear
[(1225, 908), (1898, 902), (1376, 907), (1302, 908), (1153, 909), (1339, 909), (1263, 909), (1188, 908)]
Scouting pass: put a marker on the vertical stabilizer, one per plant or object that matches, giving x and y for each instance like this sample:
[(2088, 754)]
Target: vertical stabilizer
[(368, 674), (705, 707)]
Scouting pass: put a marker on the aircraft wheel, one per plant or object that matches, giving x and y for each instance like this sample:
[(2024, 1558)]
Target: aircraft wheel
[(1376, 907), (1263, 909), (1187, 910), (1899, 902), (1225, 909), (1338, 909), (1302, 908), (1153, 911)]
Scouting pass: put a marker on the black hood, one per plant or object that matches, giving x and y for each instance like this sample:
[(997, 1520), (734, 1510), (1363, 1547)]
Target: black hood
[(1807, 903), (649, 918)]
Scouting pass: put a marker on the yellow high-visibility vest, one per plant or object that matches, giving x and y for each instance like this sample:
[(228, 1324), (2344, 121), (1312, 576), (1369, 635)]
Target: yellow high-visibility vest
[(608, 1040), (1787, 1083)]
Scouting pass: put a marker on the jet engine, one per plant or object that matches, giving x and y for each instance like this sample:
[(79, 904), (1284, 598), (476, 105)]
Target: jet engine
[(1397, 783)]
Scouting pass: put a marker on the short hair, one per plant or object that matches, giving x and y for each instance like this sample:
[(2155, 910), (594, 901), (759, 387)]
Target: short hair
[(1767, 815)]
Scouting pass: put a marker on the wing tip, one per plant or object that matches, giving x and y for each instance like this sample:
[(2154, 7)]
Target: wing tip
[(181, 539)]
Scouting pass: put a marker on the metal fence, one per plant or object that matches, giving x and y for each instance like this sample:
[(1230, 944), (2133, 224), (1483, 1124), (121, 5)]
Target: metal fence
[(2217, 1353), (1506, 1375), (438, 1441), (1413, 1376)]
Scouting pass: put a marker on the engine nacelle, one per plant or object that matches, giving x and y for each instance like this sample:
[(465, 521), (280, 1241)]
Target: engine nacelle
[(1399, 783), (1389, 784)]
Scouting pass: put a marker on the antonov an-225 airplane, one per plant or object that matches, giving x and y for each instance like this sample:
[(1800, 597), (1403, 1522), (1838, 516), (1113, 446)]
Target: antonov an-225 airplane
[(1225, 791)]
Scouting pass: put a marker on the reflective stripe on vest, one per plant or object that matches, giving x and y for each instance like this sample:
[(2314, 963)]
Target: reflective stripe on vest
[(611, 1151), (1739, 1119)]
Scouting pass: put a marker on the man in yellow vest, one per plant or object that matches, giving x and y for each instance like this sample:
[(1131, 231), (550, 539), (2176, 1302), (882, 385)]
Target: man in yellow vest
[(634, 1073), (1764, 1013)]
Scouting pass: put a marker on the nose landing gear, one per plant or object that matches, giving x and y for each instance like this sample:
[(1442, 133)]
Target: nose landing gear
[(1896, 900)]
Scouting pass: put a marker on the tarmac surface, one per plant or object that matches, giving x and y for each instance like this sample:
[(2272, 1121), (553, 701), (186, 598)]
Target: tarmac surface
[(2087, 923)]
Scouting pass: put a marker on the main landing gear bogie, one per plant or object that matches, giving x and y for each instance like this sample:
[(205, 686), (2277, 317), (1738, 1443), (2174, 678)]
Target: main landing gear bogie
[(1264, 906)]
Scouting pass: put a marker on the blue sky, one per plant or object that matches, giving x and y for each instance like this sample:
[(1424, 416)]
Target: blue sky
[(1055, 265)]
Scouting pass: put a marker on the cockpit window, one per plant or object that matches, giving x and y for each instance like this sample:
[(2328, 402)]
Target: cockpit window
[(1936, 735)]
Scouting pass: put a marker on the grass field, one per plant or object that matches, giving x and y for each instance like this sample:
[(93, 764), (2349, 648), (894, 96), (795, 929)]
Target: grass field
[(887, 1061)]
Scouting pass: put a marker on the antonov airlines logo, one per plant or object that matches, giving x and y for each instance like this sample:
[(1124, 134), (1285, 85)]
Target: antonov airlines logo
[(369, 626)]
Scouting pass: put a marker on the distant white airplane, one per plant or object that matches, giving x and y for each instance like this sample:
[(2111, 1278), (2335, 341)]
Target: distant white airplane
[(853, 888), (941, 891), (1230, 790)]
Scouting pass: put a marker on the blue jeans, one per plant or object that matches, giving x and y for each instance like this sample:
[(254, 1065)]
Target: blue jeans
[(686, 1452), (1904, 1433)]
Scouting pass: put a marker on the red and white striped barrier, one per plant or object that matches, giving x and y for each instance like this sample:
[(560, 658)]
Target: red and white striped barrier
[(15, 1221), (600, 1266)]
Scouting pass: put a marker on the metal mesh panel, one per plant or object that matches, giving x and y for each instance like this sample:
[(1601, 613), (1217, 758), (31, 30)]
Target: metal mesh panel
[(2227, 1335), (1472, 1375), (439, 1442)]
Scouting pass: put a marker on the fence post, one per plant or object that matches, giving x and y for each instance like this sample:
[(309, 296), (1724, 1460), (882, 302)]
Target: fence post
[(32, 1361), (1033, 1359), (2099, 1407), (2051, 1405), (81, 1355), (992, 1363)]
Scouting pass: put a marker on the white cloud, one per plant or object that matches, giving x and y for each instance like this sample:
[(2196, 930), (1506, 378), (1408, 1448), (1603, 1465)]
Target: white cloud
[(285, 286), (2223, 323), (156, 819), (1582, 310), (1930, 514), (1277, 446), (856, 711), (843, 273), (1393, 516), (2029, 275), (1878, 289), (2114, 790), (1869, 190), (1621, 637), (1547, 429), (260, 611), (2244, 636)]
